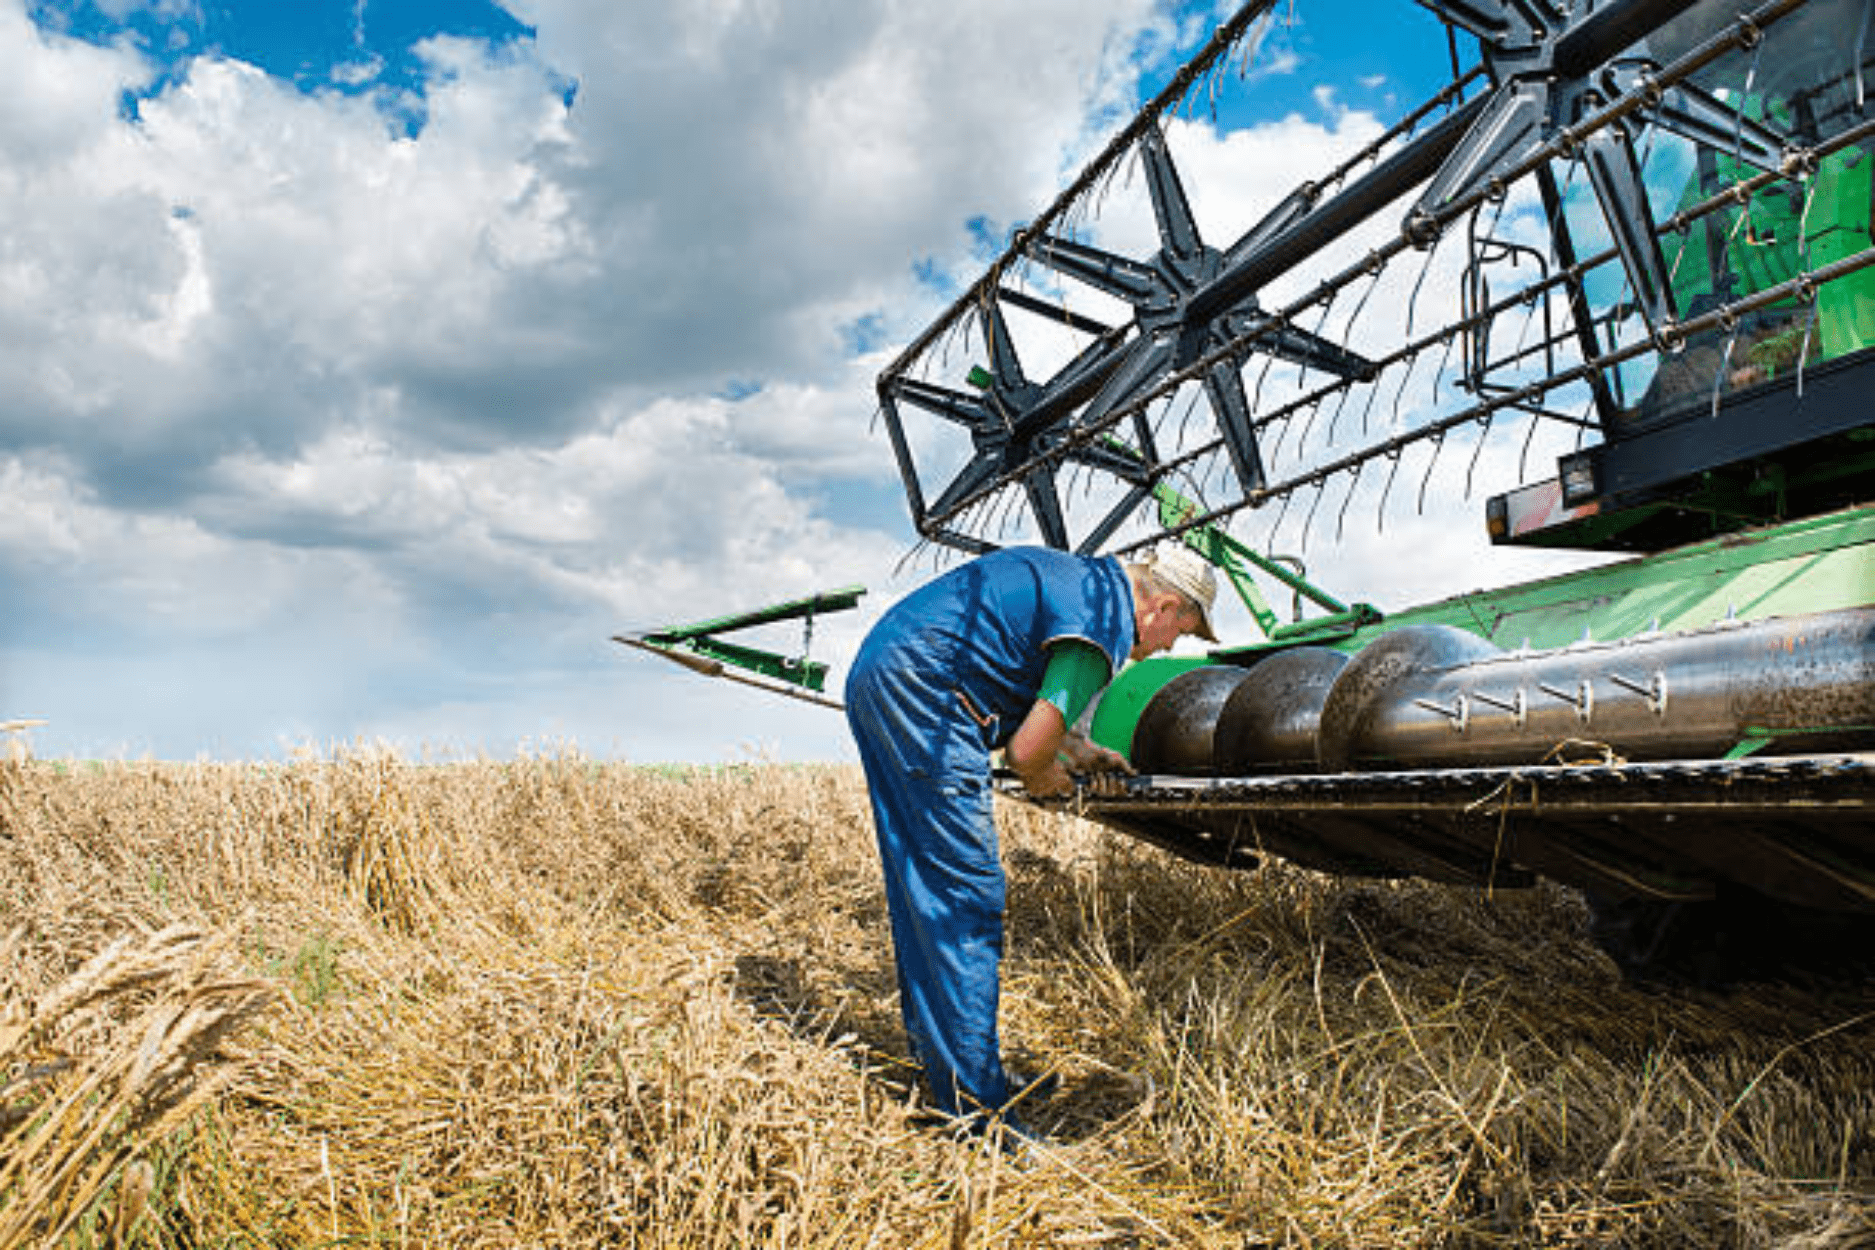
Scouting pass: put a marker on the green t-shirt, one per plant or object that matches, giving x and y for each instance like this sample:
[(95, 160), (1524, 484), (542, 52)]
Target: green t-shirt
[(1076, 672)]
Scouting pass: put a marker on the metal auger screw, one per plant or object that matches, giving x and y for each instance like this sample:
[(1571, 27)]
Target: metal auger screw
[(1655, 692), (1518, 707), (1458, 715), (1583, 700)]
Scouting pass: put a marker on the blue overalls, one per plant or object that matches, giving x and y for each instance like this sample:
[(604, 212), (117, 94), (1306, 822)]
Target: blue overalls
[(946, 675)]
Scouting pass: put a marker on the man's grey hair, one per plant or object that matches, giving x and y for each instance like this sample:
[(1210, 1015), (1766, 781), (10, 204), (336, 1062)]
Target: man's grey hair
[(1153, 585)]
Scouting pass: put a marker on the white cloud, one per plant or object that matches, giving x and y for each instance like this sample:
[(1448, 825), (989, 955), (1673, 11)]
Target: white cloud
[(358, 73), (373, 431), (281, 372), (1275, 64), (118, 10)]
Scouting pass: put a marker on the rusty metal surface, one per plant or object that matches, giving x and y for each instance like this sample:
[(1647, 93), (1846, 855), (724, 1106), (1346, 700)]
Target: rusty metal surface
[(1176, 729), (1272, 716), (1371, 683)]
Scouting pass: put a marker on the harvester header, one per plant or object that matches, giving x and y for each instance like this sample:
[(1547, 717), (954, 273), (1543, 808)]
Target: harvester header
[(1615, 276)]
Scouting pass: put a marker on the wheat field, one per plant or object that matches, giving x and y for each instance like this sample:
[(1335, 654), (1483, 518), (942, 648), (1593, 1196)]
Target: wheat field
[(354, 1000)]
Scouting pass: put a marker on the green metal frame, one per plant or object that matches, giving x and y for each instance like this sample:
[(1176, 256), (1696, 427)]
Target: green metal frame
[(1817, 564), (697, 647), (1231, 558)]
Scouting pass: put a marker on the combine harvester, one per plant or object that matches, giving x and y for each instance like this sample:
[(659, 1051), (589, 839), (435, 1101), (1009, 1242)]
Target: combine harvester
[(1630, 239)]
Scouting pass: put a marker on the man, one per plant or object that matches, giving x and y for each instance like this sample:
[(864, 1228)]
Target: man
[(1004, 651)]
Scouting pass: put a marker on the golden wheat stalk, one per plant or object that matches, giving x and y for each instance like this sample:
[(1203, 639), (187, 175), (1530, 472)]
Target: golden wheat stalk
[(104, 1065), (557, 1002)]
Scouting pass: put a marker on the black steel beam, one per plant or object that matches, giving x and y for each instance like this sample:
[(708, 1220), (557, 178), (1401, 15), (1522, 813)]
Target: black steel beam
[(1758, 424), (1610, 29), (1334, 217)]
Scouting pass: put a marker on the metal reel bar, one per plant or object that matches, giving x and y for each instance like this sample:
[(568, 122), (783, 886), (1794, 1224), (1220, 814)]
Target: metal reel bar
[(940, 523)]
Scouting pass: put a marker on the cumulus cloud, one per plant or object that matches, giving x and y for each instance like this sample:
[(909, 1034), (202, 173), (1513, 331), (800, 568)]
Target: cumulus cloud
[(367, 409), (341, 400), (733, 186)]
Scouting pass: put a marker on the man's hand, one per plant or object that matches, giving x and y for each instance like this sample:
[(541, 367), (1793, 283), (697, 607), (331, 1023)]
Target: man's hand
[(1101, 768), (1089, 759), (1044, 754), (1048, 781)]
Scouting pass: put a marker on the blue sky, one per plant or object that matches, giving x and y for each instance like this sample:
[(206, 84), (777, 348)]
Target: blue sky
[(315, 46), (1375, 51), (367, 365)]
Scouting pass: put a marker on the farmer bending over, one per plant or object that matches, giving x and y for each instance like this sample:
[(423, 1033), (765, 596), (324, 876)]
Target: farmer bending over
[(1004, 651)]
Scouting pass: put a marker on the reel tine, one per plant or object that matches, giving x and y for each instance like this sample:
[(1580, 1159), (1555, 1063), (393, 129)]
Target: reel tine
[(1184, 421), (1412, 363), (1738, 113), (916, 549), (1412, 301), (1360, 306), (1483, 434), (1523, 457), (1445, 359), (1282, 434), (1011, 504), (1373, 393), (1380, 513), (1354, 482), (1277, 439), (1282, 514), (1529, 319), (1438, 445), (1256, 398), (1320, 324), (1217, 469), (1334, 418), (1803, 353), (1308, 522), (1725, 366), (1861, 42), (1803, 249)]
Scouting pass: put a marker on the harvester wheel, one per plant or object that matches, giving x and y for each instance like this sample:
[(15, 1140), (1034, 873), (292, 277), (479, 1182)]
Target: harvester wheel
[(1656, 942), (1737, 936)]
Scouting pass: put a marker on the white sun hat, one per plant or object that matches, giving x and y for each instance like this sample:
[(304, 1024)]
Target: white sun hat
[(1191, 575)]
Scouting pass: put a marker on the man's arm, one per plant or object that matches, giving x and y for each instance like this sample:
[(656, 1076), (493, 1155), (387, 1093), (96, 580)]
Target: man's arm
[(1076, 671), (1034, 748)]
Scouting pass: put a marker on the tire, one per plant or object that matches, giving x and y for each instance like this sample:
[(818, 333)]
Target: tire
[(1738, 936)]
